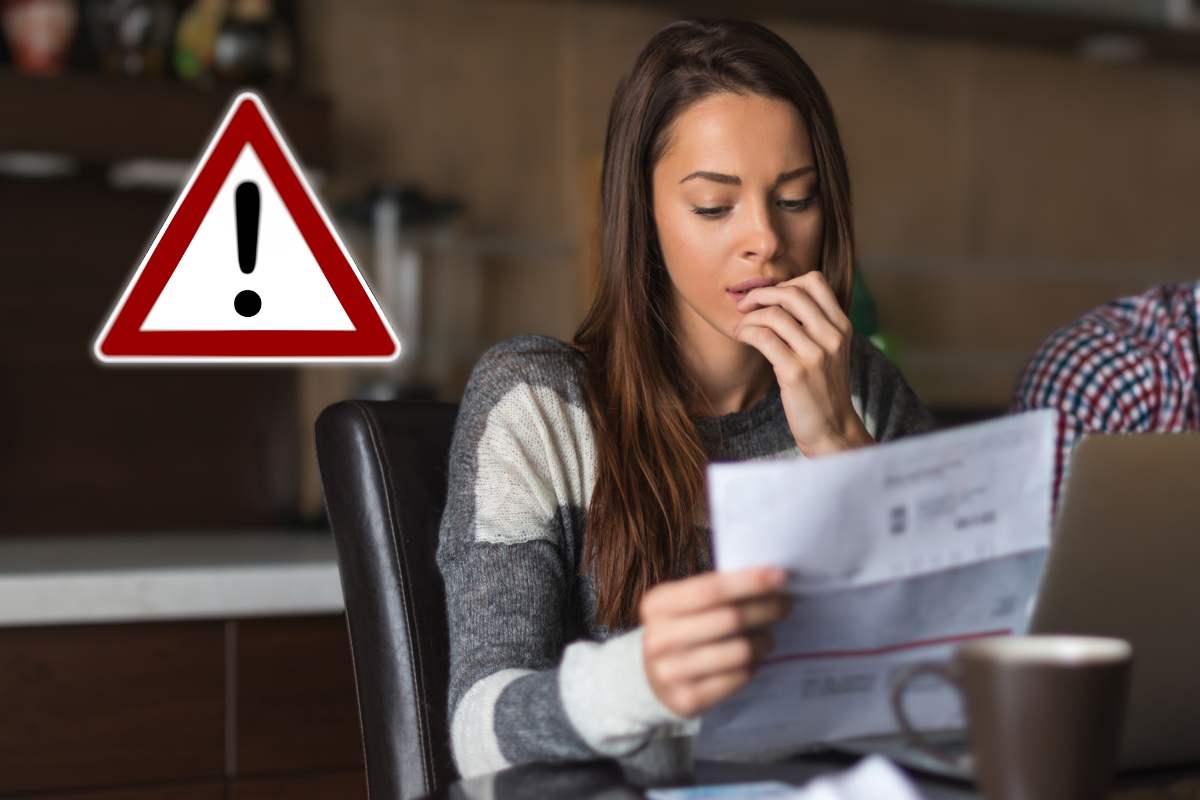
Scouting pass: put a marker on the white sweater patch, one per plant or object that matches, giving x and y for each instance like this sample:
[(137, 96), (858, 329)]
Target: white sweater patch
[(473, 730), (607, 696), (535, 455)]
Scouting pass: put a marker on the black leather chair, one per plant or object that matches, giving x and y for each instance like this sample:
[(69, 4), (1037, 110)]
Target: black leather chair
[(383, 472)]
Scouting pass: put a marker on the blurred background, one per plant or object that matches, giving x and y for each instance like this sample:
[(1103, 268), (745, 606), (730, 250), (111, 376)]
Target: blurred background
[(1013, 164)]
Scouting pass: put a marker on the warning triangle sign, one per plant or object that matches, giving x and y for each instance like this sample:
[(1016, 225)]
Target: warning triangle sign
[(247, 267)]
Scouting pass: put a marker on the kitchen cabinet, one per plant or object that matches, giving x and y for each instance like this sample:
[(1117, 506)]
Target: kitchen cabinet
[(264, 706)]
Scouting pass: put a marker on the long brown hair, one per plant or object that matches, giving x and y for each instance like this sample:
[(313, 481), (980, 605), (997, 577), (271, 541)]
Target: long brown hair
[(641, 522)]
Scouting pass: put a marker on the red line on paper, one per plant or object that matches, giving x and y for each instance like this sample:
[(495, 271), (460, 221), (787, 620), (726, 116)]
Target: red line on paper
[(889, 648)]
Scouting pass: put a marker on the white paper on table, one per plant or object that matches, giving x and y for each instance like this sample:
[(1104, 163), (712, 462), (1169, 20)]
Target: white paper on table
[(897, 553), (871, 778)]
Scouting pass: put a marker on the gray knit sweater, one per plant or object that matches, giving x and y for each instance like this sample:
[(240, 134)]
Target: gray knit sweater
[(532, 677)]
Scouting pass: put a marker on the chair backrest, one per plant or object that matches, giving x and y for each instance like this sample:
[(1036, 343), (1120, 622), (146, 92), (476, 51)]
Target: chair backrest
[(383, 472)]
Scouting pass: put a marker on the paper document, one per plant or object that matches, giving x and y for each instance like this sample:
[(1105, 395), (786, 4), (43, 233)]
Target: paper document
[(897, 553)]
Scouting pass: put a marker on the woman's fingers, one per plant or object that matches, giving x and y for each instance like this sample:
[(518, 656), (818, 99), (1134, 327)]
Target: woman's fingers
[(814, 317), (694, 698), (814, 285), (818, 288), (734, 653), (709, 590), (779, 353), (795, 300), (686, 668), (796, 334), (717, 623)]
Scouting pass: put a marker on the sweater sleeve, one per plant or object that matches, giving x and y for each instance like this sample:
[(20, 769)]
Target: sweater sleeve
[(519, 690), (886, 403)]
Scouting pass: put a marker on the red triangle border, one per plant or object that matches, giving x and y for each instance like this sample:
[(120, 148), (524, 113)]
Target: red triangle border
[(246, 123)]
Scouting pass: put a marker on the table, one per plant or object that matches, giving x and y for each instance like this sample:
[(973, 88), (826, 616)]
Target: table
[(607, 780)]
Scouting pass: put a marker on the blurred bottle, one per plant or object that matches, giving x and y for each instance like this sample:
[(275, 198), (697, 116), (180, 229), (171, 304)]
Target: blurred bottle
[(254, 45), (131, 37), (196, 40), (39, 33)]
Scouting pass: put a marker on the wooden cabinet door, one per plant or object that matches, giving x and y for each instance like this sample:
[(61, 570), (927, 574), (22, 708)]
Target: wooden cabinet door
[(351, 785), (96, 705), (296, 706)]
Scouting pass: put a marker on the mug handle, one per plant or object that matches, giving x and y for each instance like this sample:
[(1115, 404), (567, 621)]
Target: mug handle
[(946, 672)]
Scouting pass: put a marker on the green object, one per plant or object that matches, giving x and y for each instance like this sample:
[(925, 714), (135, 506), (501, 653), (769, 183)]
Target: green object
[(187, 66), (196, 37), (864, 316), (885, 345)]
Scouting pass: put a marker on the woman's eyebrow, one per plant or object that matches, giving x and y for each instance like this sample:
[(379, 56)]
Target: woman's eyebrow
[(734, 180)]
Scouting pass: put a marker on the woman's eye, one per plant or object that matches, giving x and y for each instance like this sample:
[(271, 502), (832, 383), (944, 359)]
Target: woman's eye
[(798, 205), (790, 205)]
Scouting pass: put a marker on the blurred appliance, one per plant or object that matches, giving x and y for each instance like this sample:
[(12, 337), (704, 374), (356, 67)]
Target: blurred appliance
[(426, 278), (427, 272), (131, 37), (254, 45)]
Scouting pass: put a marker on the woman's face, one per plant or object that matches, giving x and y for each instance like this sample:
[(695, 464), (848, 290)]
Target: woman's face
[(735, 197)]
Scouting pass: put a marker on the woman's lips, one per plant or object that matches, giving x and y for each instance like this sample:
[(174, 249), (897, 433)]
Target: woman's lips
[(737, 295), (752, 283), (749, 285)]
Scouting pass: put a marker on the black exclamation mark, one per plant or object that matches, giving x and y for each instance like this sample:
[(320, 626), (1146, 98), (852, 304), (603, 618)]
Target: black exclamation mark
[(245, 200)]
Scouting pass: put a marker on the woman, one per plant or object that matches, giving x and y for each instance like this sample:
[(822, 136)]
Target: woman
[(584, 618)]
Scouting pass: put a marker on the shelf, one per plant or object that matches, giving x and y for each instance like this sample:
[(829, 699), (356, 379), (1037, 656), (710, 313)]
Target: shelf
[(102, 119), (1060, 32)]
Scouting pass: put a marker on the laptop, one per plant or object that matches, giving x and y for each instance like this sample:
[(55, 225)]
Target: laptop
[(1124, 561)]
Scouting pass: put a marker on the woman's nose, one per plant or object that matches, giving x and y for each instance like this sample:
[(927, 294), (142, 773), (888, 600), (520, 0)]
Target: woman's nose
[(762, 237)]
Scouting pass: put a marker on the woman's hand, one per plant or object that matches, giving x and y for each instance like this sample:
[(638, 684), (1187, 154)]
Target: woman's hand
[(800, 328), (704, 635)]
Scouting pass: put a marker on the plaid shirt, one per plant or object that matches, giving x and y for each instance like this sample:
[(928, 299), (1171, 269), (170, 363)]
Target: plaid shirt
[(1131, 365)]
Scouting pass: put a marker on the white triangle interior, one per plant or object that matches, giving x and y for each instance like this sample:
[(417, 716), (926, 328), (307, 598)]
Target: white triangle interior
[(294, 291)]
